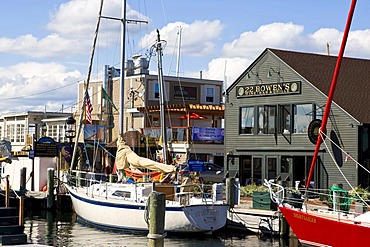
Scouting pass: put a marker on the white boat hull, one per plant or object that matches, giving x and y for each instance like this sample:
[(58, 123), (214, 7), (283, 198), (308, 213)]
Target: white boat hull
[(123, 214)]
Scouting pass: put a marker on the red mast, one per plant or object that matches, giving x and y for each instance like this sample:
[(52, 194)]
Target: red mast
[(332, 89)]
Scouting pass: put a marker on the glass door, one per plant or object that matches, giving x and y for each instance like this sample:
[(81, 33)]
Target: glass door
[(257, 171)]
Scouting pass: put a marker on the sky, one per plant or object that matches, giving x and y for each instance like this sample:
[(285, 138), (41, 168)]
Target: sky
[(45, 46)]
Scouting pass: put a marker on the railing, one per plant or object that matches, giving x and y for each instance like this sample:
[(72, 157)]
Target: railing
[(7, 200), (182, 192), (186, 135)]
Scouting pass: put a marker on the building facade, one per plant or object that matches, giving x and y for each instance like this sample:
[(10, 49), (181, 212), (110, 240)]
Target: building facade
[(22, 128), (270, 116), (193, 113)]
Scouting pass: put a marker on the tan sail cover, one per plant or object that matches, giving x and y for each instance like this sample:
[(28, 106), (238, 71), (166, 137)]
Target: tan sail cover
[(126, 158)]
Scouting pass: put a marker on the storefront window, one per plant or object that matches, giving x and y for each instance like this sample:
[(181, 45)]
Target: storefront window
[(285, 119), (302, 117), (266, 119), (246, 120), (319, 112)]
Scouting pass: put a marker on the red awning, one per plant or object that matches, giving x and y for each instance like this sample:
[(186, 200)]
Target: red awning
[(193, 115)]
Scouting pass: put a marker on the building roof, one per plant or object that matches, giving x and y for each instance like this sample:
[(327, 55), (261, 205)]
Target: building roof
[(353, 85)]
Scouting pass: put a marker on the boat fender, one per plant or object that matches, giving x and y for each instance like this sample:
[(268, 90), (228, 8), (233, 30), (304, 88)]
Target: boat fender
[(45, 188)]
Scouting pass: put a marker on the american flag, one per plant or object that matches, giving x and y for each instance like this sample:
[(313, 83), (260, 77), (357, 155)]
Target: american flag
[(89, 108)]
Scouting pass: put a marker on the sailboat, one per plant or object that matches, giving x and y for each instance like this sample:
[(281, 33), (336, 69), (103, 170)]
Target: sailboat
[(124, 206), (322, 226)]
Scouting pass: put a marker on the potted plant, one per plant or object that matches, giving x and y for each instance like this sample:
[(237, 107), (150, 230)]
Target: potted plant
[(260, 196), (293, 197)]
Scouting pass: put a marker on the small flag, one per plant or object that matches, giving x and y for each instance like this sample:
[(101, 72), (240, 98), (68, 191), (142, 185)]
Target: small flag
[(106, 96), (89, 108), (347, 157)]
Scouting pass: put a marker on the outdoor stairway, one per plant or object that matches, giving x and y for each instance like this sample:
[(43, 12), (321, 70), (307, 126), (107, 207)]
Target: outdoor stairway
[(11, 233)]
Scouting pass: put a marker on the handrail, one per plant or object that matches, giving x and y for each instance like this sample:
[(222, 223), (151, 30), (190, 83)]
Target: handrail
[(7, 199)]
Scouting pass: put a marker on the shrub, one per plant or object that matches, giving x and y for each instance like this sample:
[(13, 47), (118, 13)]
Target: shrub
[(247, 191)]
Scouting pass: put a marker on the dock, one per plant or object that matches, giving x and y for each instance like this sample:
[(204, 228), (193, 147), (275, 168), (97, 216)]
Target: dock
[(245, 217)]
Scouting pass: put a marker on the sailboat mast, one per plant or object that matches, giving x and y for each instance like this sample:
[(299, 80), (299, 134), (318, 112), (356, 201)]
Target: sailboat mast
[(161, 99), (86, 88), (178, 53), (331, 92), (122, 72)]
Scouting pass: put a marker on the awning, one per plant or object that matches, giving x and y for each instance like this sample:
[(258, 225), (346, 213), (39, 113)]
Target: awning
[(193, 115)]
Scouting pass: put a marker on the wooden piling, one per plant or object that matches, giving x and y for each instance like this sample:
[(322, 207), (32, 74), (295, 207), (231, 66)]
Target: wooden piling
[(50, 190), (157, 207), (23, 179), (230, 192), (284, 227), (7, 188)]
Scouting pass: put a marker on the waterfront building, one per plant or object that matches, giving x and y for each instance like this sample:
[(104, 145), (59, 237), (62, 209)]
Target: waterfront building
[(273, 111), (193, 107), (23, 130)]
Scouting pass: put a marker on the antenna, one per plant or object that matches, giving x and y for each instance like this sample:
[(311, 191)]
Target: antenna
[(328, 48)]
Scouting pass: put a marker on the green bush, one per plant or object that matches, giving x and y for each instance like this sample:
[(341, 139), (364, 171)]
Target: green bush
[(247, 191), (364, 193)]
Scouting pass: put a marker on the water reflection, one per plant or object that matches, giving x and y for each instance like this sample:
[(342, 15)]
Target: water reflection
[(63, 230)]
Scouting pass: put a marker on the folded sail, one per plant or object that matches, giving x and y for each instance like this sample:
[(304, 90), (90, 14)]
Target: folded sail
[(126, 158)]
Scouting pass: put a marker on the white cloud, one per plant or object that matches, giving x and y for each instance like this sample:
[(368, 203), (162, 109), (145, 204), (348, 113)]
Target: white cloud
[(197, 38), (241, 52), (35, 85), (72, 28), (250, 44), (226, 69)]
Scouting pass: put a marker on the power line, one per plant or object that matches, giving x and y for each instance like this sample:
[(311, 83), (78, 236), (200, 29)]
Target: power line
[(31, 95)]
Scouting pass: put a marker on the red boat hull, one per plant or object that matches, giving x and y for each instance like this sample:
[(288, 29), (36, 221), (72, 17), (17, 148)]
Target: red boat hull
[(316, 230)]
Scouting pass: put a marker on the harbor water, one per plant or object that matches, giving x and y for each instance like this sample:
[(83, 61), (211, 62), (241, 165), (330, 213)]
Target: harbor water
[(50, 229)]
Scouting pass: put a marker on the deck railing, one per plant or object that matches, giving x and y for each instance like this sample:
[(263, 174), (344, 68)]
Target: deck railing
[(186, 135)]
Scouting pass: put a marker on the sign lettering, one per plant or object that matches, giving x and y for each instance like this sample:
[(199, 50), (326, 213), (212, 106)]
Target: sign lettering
[(268, 89)]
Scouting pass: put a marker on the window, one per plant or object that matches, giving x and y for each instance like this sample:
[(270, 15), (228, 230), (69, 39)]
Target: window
[(156, 90), (10, 132), (266, 119), (20, 133), (246, 120), (154, 93), (319, 112), (210, 95), (302, 117), (285, 119)]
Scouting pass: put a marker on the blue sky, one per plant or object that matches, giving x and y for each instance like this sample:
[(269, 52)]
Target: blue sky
[(45, 45)]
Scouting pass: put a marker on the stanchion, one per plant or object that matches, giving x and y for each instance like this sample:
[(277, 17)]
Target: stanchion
[(21, 211)]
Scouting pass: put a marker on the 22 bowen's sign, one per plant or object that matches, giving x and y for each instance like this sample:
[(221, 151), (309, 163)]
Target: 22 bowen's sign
[(268, 89)]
